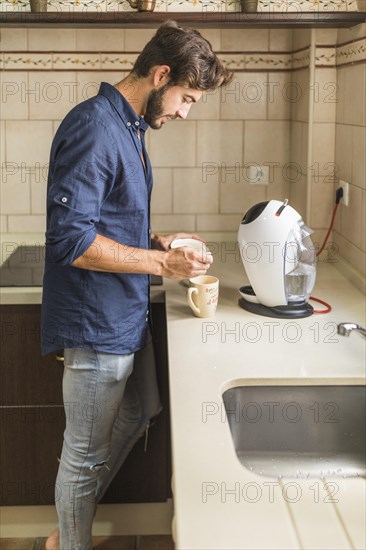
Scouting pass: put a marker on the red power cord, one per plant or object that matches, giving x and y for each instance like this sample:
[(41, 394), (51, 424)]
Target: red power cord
[(329, 230), (328, 308)]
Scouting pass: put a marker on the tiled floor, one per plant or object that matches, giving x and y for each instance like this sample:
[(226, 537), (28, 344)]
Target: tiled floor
[(152, 542)]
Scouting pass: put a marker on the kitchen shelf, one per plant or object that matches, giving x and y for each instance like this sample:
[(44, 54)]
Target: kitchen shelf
[(196, 19)]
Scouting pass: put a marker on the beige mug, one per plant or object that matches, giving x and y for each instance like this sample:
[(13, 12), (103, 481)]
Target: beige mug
[(203, 295)]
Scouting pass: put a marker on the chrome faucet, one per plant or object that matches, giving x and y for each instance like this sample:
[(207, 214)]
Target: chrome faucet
[(345, 329)]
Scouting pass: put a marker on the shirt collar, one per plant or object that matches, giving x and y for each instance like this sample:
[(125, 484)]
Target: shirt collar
[(123, 107)]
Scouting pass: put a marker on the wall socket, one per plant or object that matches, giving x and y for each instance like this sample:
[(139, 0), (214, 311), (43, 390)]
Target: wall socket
[(345, 187)]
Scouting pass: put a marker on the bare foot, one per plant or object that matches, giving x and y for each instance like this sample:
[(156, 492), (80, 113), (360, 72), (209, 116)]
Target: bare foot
[(53, 541)]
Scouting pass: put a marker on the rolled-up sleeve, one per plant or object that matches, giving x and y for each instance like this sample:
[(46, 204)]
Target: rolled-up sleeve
[(81, 174)]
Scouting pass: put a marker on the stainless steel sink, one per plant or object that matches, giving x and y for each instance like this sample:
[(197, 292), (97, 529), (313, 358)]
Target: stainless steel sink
[(299, 431)]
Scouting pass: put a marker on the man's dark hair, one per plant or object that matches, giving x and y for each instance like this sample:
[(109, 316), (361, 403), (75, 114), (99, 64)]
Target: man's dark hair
[(190, 58)]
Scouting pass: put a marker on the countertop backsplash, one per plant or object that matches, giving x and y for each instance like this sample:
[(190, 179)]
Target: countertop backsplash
[(205, 168)]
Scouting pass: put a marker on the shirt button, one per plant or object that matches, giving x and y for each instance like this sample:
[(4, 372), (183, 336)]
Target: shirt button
[(137, 123), (64, 199), (128, 124)]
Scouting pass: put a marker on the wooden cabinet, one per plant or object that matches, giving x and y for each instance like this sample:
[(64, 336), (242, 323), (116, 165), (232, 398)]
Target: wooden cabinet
[(32, 418)]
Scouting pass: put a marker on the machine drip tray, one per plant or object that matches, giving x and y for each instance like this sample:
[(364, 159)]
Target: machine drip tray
[(295, 311)]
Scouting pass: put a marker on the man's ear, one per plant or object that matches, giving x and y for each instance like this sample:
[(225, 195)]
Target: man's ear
[(160, 75)]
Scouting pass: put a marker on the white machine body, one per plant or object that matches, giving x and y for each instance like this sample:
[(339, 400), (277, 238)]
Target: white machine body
[(270, 248)]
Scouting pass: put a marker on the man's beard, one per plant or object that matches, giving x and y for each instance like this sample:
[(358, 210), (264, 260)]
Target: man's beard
[(154, 107)]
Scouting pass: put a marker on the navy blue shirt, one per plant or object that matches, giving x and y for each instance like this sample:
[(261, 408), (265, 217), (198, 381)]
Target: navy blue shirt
[(97, 184)]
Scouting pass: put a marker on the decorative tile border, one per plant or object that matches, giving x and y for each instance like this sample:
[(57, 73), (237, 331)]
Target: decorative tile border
[(345, 54), (274, 6), (121, 61), (326, 56), (27, 61), (355, 52), (271, 61), (301, 59), (79, 61), (117, 62)]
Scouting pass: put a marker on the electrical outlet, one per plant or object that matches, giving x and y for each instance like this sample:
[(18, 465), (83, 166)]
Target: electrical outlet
[(258, 175), (345, 187)]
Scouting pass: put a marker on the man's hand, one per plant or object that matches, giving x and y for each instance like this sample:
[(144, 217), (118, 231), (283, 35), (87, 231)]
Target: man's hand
[(163, 242), (178, 263), (183, 263)]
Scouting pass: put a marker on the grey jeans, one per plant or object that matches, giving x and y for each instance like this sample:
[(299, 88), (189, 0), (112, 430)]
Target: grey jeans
[(109, 400)]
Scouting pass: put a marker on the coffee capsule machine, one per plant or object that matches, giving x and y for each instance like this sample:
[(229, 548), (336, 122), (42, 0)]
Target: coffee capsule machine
[(279, 259)]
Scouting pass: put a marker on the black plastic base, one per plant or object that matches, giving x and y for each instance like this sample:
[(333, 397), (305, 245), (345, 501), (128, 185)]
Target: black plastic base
[(295, 311)]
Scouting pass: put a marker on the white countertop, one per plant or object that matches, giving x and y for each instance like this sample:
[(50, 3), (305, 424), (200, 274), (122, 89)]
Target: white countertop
[(218, 503)]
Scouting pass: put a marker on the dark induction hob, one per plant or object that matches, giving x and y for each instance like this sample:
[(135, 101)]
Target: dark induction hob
[(25, 267)]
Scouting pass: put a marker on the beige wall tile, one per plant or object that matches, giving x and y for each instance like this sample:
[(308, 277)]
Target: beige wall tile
[(325, 96), (363, 220), (193, 193), (351, 216), (52, 40), (298, 197), (215, 222), (248, 40), (2, 142), (14, 95), (351, 253), (136, 39), (3, 224), (162, 195), (239, 197), (219, 142), (280, 40), (343, 151), (359, 156), (351, 33), (298, 92), (322, 204), (300, 38), (267, 142), (173, 222), (13, 40), (26, 224), (299, 145), (245, 97), (341, 94), (14, 191), (355, 108), (173, 145), (208, 108), (278, 190), (55, 94), (323, 147), (326, 37), (100, 40), (279, 96), (39, 192), (28, 142), (88, 83)]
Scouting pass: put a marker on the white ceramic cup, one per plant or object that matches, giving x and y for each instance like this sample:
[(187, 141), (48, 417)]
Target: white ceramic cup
[(190, 243), (203, 295)]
